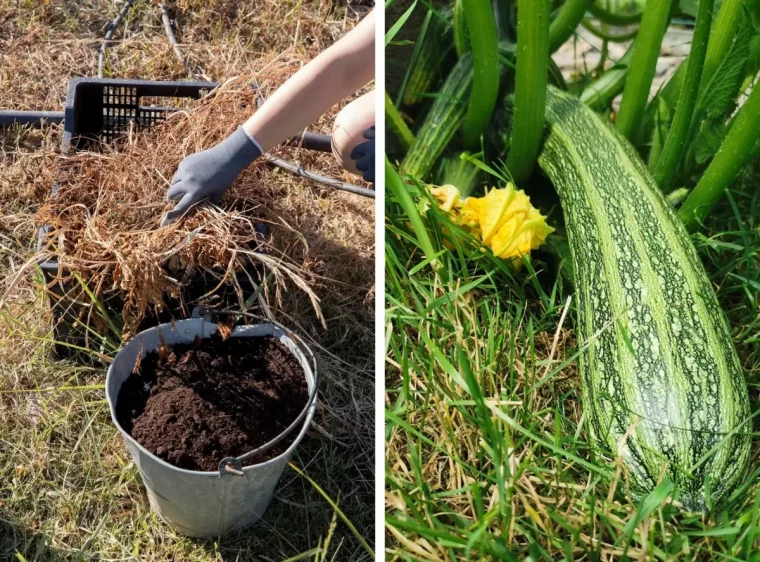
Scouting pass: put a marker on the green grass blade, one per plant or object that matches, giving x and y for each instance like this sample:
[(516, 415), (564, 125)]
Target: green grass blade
[(337, 510), (401, 193), (653, 500), (396, 27), (101, 309)]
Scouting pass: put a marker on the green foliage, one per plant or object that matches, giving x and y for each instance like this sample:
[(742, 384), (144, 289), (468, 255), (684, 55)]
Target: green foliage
[(718, 99), (719, 96), (665, 165), (708, 140)]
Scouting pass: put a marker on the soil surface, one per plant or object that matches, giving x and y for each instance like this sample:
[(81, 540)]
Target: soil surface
[(192, 405)]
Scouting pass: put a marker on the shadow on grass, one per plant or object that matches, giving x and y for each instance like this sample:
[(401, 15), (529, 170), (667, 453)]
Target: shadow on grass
[(16, 539)]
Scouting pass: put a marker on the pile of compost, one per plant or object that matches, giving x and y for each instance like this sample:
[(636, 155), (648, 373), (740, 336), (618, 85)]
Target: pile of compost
[(193, 405)]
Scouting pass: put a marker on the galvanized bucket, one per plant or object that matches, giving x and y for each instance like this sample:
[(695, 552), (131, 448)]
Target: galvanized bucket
[(203, 504)]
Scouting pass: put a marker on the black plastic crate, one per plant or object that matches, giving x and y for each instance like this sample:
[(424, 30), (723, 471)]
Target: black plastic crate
[(102, 109), (99, 110)]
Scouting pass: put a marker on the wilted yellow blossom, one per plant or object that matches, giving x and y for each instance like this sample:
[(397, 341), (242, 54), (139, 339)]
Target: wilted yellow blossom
[(503, 219), (447, 195)]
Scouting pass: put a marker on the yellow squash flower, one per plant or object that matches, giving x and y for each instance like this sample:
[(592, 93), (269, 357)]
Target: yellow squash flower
[(504, 220)]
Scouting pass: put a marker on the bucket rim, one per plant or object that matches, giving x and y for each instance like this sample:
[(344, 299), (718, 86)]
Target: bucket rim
[(236, 332)]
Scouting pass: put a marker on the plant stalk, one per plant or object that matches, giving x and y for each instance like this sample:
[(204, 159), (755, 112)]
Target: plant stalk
[(606, 35), (724, 29), (564, 25), (485, 58), (530, 86), (397, 123), (735, 151), (645, 53), (665, 166), (614, 19), (600, 92)]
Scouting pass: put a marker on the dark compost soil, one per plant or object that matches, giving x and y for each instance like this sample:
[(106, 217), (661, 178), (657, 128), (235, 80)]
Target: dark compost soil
[(192, 405)]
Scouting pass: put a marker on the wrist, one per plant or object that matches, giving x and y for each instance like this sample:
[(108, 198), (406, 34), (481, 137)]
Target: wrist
[(253, 140), (240, 150)]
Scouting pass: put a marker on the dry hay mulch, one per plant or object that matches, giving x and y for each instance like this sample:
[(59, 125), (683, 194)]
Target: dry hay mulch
[(104, 219)]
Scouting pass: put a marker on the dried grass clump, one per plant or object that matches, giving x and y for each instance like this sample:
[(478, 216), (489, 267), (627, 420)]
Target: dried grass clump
[(104, 220)]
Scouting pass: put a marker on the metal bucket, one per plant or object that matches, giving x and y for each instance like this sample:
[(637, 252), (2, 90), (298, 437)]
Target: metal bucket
[(203, 504)]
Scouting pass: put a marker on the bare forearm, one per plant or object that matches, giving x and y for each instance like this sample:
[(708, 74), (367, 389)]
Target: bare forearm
[(334, 75)]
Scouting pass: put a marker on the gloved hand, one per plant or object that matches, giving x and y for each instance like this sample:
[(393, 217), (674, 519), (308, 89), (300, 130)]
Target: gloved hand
[(364, 154), (208, 174)]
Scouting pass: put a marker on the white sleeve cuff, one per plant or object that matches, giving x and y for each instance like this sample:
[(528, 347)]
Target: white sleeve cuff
[(253, 140)]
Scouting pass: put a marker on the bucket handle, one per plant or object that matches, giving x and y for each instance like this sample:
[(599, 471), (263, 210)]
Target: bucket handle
[(234, 465)]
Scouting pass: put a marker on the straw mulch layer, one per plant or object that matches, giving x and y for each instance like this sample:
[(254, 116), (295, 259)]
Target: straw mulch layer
[(104, 219)]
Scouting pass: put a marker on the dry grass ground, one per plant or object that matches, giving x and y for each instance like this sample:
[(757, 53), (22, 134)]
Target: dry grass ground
[(68, 489)]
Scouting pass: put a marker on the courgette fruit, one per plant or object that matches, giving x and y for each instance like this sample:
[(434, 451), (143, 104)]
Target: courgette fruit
[(661, 381), (442, 121), (435, 50), (446, 115)]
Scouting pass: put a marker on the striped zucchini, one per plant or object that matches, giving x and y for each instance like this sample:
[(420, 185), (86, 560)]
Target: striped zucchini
[(442, 121), (434, 51), (445, 116), (662, 383)]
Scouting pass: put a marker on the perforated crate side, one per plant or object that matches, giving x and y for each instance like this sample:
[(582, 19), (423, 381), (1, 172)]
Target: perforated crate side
[(101, 109)]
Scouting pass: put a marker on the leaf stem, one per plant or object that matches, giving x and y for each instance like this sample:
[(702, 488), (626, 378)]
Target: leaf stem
[(724, 31), (665, 166), (567, 20), (485, 58), (461, 42), (606, 35), (600, 92), (530, 85), (645, 53), (614, 19)]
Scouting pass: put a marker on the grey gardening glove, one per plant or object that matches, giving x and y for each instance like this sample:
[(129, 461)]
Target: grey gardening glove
[(209, 174)]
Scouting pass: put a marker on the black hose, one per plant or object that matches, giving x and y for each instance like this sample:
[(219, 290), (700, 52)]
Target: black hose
[(312, 141), (109, 34), (32, 118)]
